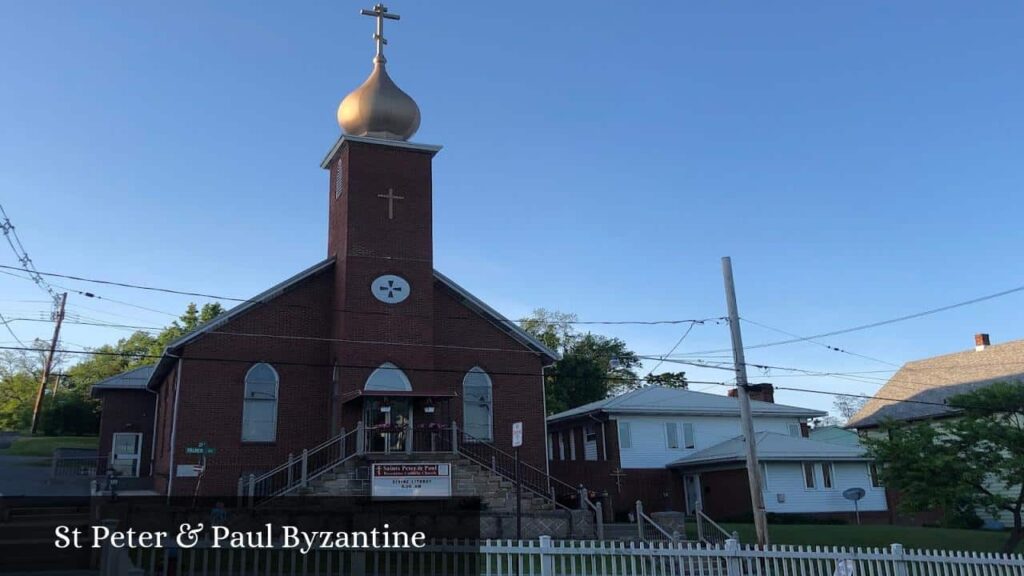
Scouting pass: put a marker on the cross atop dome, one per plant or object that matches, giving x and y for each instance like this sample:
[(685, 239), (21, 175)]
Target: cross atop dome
[(379, 108), (380, 11)]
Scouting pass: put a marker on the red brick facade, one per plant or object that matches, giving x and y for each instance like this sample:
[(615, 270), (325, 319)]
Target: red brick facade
[(660, 489), (128, 411), (326, 333)]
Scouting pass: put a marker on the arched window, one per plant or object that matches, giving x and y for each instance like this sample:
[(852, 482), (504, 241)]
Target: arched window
[(259, 410), (477, 405), (388, 378)]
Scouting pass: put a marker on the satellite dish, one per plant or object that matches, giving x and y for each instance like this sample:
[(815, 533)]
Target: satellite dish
[(853, 494)]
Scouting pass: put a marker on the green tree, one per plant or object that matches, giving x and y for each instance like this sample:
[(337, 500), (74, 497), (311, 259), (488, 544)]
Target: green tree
[(18, 385), (585, 373), (668, 380), (69, 408), (973, 461), (138, 349), (187, 322)]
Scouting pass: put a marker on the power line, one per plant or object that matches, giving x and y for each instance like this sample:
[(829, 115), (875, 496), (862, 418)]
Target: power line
[(7, 227), (678, 342), (252, 300), (877, 324), (822, 344), (7, 325), (143, 356)]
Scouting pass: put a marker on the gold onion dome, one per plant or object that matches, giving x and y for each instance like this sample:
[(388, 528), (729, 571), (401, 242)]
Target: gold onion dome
[(379, 108)]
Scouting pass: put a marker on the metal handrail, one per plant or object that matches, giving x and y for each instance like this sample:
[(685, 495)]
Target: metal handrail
[(311, 464), (715, 537), (642, 516), (540, 483)]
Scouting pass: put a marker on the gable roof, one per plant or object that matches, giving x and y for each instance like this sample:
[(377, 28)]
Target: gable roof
[(835, 435), (494, 317), (772, 446), (671, 401), (169, 356), (935, 380), (472, 302), (134, 379)]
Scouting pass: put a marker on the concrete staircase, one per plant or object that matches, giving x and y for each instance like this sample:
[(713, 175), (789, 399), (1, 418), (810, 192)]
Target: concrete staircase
[(352, 479)]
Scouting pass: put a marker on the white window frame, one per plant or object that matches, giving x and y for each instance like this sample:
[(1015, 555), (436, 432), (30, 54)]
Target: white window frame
[(561, 445), (672, 429), (689, 436), (476, 370), (136, 457), (246, 401), (831, 484), (804, 467), (625, 435), (589, 437), (764, 476), (795, 431), (570, 436), (388, 378)]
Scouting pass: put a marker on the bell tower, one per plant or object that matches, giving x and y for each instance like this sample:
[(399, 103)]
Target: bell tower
[(380, 230)]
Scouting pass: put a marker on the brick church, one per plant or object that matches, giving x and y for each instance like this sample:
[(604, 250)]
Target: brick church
[(370, 350)]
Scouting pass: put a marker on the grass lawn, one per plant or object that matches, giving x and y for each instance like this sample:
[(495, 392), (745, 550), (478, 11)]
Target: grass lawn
[(45, 445), (876, 536)]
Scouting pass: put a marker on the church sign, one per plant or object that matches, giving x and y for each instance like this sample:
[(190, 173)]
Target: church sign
[(411, 481)]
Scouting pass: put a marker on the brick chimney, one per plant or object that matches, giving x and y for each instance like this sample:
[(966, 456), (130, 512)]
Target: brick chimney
[(764, 392), (981, 341)]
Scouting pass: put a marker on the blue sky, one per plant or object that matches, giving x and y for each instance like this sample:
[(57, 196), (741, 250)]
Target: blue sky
[(858, 161)]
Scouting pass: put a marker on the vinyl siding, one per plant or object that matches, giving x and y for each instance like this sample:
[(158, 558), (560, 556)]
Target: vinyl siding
[(649, 446), (787, 479), (1010, 492)]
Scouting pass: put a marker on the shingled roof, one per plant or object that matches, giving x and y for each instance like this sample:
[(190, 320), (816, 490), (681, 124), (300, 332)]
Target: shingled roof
[(661, 400), (930, 382), (772, 446)]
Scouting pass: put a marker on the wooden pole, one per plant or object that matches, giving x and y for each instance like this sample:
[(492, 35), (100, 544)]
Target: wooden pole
[(49, 363), (749, 437)]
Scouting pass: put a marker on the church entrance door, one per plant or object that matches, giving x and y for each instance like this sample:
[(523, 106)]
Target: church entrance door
[(389, 424)]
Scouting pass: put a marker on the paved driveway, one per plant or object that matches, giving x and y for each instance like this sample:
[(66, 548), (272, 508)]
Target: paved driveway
[(30, 476)]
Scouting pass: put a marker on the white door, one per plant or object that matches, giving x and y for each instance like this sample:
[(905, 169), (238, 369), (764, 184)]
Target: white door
[(125, 453), (692, 484)]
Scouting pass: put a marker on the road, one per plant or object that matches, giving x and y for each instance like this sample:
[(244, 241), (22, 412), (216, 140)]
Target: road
[(30, 476)]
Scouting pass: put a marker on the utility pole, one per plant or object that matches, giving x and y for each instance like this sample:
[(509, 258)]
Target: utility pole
[(49, 362), (753, 468)]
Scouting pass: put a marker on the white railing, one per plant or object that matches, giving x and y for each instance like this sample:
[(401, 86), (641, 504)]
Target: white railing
[(709, 532), (545, 557), (650, 531)]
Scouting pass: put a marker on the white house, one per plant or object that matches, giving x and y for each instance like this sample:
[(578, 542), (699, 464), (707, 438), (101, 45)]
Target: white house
[(676, 449), (799, 476)]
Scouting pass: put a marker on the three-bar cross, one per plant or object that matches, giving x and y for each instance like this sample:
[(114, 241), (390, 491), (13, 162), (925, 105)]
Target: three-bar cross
[(380, 12)]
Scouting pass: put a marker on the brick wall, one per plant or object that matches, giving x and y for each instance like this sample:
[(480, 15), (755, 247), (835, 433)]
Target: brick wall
[(347, 332), (128, 411)]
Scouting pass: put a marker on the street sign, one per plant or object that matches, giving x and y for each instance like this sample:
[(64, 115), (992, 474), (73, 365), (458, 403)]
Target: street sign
[(517, 434), (201, 449)]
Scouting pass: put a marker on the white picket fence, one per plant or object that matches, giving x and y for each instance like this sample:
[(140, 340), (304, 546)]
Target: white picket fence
[(545, 557)]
